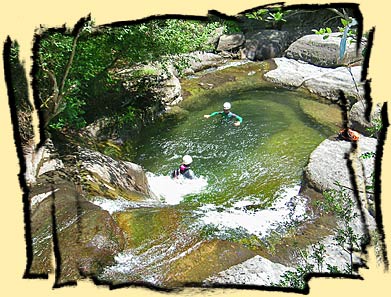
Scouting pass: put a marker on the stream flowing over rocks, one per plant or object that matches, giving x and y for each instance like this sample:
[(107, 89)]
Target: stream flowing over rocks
[(62, 184)]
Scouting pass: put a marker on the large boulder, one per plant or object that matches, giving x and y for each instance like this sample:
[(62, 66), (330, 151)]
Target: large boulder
[(328, 164), (230, 42), (334, 165), (265, 44), (198, 61), (214, 37), (324, 82), (103, 176), (101, 129), (84, 237), (317, 50), (158, 80), (171, 89)]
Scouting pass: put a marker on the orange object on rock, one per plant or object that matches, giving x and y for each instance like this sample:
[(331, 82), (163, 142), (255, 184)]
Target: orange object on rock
[(349, 134)]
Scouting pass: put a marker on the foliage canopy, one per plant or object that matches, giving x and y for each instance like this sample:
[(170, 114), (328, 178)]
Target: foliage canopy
[(69, 62)]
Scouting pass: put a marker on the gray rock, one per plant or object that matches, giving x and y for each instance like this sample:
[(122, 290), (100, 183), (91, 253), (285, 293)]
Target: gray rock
[(215, 36), (199, 61), (171, 90), (256, 271), (266, 44), (316, 50), (230, 42), (328, 164), (104, 176), (87, 236), (40, 161), (100, 129), (332, 83), (33, 158), (50, 165), (325, 82), (358, 121), (328, 169)]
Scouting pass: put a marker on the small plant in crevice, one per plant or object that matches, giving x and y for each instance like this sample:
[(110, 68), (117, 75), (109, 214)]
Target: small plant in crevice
[(296, 278), (339, 203)]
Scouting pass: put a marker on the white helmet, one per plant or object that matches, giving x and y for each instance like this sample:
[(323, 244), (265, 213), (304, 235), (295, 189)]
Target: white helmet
[(187, 160), (227, 105)]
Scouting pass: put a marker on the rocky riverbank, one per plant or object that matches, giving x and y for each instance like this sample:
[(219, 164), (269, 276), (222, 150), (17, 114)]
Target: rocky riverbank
[(61, 181), (311, 63)]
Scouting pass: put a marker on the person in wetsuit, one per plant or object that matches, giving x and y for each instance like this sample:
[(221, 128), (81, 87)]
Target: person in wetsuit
[(227, 114), (184, 169)]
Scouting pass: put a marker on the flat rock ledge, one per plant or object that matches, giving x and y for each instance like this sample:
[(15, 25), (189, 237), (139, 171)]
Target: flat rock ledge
[(324, 82), (324, 52)]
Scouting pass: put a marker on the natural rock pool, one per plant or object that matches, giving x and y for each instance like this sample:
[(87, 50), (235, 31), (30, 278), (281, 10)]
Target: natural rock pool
[(244, 199)]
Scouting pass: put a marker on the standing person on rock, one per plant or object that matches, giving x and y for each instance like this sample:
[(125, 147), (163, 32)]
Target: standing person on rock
[(226, 114)]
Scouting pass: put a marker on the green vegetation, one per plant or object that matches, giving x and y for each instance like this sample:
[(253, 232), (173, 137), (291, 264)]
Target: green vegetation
[(274, 16), (75, 68), (340, 204), (376, 127), (348, 31)]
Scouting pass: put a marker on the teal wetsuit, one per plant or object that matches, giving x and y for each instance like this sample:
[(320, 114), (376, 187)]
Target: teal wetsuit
[(227, 116)]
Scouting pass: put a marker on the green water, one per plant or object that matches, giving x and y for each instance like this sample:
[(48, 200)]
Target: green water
[(254, 161)]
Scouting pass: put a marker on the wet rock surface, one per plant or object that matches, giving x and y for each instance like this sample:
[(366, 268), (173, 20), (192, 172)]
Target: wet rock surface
[(257, 271), (84, 236), (104, 176), (89, 237)]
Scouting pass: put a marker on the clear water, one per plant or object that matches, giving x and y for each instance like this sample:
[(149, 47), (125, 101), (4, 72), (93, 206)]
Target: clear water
[(248, 178), (254, 161)]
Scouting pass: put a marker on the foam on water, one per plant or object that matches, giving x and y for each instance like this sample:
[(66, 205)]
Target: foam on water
[(172, 191), (121, 204), (286, 209)]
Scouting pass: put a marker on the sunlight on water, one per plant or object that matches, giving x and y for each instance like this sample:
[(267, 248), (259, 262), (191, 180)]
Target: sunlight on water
[(265, 154), (247, 184)]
